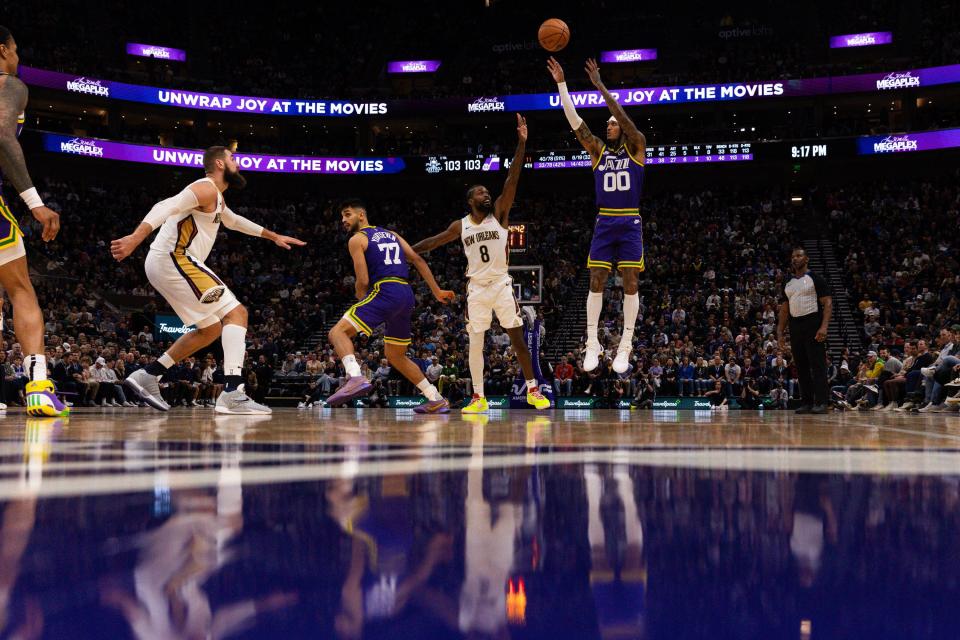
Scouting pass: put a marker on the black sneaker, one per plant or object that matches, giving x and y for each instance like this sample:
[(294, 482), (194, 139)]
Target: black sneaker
[(819, 409), (804, 408)]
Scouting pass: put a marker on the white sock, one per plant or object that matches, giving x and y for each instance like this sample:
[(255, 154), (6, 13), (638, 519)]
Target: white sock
[(631, 307), (168, 362), (428, 390), (36, 366), (532, 385), (234, 339), (476, 363), (350, 364), (594, 307)]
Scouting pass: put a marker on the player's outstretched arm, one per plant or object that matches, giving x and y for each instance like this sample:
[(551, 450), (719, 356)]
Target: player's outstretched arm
[(635, 139), (13, 100), (196, 196), (237, 222), (590, 142), (501, 207), (449, 235), (357, 246), (424, 269)]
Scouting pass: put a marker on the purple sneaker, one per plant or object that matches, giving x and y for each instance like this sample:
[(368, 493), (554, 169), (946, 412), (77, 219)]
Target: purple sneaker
[(433, 406), (353, 388)]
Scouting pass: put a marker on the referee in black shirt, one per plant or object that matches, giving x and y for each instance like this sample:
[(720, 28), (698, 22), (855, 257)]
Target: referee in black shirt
[(808, 306)]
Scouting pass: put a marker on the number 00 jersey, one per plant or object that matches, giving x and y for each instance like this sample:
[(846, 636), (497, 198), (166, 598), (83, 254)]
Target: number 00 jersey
[(485, 245), (384, 255), (618, 178)]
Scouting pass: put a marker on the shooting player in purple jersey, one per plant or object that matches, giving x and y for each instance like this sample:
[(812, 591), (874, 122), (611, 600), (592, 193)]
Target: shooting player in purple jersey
[(618, 230)]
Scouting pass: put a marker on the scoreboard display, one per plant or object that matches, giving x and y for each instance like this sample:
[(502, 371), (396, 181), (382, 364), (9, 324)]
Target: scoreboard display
[(517, 237)]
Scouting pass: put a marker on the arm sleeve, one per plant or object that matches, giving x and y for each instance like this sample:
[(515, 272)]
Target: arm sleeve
[(568, 109), (821, 286), (184, 201), (238, 223)]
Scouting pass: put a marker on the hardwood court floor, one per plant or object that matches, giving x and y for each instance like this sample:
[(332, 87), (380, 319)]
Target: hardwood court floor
[(377, 523)]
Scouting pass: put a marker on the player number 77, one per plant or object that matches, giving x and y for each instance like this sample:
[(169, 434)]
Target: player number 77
[(385, 248)]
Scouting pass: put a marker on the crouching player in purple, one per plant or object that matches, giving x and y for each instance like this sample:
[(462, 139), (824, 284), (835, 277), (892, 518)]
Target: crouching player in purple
[(380, 257)]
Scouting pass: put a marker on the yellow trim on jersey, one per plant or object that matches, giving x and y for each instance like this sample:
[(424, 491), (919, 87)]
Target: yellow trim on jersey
[(397, 341), (199, 279), (618, 212), (599, 157), (186, 231), (599, 264), (632, 265), (360, 323), (370, 296), (631, 156), (10, 238)]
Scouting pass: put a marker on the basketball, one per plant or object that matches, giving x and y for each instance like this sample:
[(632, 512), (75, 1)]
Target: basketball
[(554, 34)]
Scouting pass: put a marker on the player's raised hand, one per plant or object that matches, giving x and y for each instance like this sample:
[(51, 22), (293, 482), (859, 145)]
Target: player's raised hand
[(521, 128), (288, 242), (593, 72), (50, 220), (556, 71), (445, 296)]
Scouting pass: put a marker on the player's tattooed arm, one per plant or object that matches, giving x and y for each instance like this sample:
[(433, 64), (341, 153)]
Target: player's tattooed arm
[(590, 142), (13, 100), (449, 235), (503, 204), (635, 139)]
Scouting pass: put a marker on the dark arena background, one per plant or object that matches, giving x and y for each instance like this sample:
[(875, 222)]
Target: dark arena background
[(705, 491)]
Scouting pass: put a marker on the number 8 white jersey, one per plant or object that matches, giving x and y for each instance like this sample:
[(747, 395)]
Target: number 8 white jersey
[(485, 246)]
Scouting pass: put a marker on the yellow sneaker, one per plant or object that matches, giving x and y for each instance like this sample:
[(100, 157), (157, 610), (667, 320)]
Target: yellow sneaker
[(42, 401), (537, 400), (477, 405)]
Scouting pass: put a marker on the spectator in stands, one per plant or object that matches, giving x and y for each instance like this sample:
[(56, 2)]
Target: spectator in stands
[(563, 378), (867, 376), (934, 393), (732, 376), (687, 377), (779, 397)]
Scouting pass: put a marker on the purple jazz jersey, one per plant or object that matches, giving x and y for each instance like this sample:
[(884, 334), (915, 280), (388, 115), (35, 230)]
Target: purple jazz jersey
[(384, 255), (618, 180), (618, 230), (390, 303)]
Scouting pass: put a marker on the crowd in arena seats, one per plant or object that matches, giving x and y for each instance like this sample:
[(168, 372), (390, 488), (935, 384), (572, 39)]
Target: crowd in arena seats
[(715, 269), (901, 263)]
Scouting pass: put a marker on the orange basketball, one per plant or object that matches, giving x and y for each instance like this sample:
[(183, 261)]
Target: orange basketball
[(554, 34)]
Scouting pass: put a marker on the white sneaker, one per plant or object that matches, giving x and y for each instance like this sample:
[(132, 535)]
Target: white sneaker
[(953, 399), (194, 403), (129, 404), (591, 359), (928, 371), (906, 406), (932, 408), (622, 362), (3, 407), (302, 405), (891, 406)]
